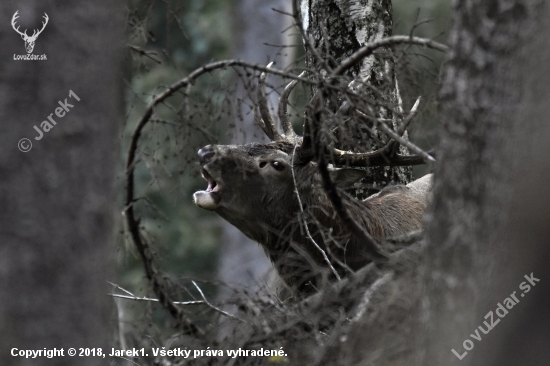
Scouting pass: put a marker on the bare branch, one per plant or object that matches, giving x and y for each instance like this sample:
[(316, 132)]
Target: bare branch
[(369, 48), (131, 296), (325, 257), (371, 249), (205, 301), (150, 54), (136, 298), (367, 296)]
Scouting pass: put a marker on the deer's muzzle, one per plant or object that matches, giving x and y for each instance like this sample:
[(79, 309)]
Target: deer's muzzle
[(208, 199)]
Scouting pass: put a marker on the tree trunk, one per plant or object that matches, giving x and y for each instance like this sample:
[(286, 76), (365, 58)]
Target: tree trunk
[(337, 28), (57, 199), (489, 225)]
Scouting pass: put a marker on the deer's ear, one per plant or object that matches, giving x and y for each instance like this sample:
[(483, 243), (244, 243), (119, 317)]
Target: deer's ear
[(346, 177)]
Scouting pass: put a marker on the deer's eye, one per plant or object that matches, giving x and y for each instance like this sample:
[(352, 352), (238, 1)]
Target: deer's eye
[(278, 165), (263, 164)]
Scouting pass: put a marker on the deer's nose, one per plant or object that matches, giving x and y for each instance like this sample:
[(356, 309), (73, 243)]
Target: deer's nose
[(206, 153)]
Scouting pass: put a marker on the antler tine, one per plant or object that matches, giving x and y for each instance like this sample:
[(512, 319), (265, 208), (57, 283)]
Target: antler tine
[(268, 124), (46, 18), (13, 20), (375, 158), (288, 130), (387, 154), (393, 145)]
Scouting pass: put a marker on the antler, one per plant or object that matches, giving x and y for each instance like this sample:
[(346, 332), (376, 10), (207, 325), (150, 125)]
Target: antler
[(37, 33), (387, 154), (288, 130), (13, 19), (266, 123), (384, 156)]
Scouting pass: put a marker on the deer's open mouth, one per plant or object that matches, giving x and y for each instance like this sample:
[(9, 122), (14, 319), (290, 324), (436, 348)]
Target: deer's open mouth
[(213, 186), (209, 198)]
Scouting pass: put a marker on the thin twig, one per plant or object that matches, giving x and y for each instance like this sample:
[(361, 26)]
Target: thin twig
[(131, 296), (367, 296), (136, 298), (325, 257), (371, 248), (214, 307), (149, 54), (372, 251)]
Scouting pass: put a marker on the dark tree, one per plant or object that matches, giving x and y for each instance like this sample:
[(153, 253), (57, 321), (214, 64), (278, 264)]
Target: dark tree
[(489, 225), (57, 199)]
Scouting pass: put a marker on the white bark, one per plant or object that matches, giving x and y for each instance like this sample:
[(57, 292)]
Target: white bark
[(350, 24)]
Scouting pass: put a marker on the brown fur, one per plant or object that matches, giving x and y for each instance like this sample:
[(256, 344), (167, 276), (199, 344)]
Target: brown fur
[(261, 202)]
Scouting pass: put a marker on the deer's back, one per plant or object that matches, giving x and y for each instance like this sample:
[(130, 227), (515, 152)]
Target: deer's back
[(399, 209)]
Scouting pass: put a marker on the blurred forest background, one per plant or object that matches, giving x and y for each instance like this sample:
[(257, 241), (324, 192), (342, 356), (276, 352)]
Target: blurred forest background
[(487, 230), (166, 41)]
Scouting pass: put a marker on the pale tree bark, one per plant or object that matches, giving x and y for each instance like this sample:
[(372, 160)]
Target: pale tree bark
[(337, 28), (56, 233), (243, 263), (489, 225)]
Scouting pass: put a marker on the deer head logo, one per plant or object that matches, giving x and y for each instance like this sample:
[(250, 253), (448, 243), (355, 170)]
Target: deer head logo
[(29, 40)]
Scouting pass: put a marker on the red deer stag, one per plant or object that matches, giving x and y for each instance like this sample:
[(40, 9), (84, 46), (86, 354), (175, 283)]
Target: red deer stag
[(273, 193)]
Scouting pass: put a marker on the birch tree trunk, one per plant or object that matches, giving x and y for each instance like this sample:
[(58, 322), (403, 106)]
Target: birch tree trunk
[(337, 28), (56, 233)]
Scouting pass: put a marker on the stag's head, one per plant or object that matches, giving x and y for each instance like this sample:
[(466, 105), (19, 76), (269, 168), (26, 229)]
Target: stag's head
[(29, 40), (255, 183), (243, 181), (256, 186)]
